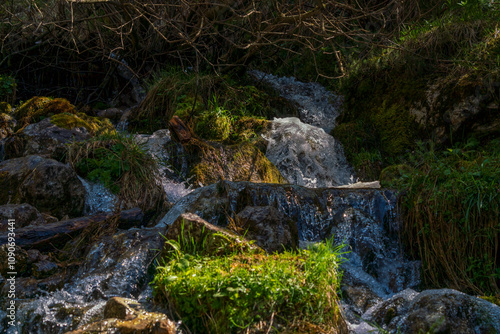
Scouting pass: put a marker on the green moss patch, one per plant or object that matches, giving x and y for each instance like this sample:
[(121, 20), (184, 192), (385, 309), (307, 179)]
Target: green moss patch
[(239, 162), (38, 108), (94, 125)]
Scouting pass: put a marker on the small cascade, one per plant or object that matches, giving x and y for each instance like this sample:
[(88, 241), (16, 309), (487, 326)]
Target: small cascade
[(306, 155), (98, 199), (115, 266), (159, 145), (317, 106), (2, 149)]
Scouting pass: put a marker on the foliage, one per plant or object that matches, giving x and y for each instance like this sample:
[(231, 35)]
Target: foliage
[(451, 210), (122, 165), (246, 290), (208, 103), (7, 88)]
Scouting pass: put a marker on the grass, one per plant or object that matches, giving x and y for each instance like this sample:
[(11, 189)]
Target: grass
[(252, 290), (451, 208), (122, 165)]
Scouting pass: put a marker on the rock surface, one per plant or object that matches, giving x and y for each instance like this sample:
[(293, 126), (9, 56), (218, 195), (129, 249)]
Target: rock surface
[(23, 214), (48, 185), (437, 311), (270, 228)]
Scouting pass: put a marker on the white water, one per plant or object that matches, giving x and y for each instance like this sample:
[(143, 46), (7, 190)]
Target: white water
[(159, 144), (306, 155), (317, 106), (98, 198)]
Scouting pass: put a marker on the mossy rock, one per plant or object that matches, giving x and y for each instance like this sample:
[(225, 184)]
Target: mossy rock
[(390, 175), (240, 162), (213, 125), (5, 108), (94, 125), (38, 108)]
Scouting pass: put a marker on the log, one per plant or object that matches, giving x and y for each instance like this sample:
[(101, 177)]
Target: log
[(55, 235), (179, 130)]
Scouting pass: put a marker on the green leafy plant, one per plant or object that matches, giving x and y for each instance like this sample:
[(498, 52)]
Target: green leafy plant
[(7, 88), (253, 290)]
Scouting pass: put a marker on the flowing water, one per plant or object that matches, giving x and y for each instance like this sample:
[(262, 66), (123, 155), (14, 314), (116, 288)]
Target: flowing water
[(364, 220)]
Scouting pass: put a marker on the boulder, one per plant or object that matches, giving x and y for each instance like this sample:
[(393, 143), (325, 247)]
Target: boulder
[(192, 232), (436, 311), (48, 185), (45, 138), (270, 228), (120, 308), (23, 214)]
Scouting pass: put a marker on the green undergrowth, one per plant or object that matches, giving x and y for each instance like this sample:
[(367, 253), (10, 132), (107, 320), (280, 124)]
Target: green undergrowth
[(210, 105), (451, 210), (247, 291), (432, 65), (122, 165)]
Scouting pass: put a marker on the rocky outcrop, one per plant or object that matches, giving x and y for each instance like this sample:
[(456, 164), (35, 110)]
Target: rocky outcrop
[(363, 220), (435, 311), (48, 185), (23, 215), (270, 228)]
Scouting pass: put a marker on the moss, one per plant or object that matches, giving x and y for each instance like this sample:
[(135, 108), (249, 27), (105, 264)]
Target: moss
[(240, 162), (213, 124), (396, 129), (94, 125), (5, 108), (38, 108)]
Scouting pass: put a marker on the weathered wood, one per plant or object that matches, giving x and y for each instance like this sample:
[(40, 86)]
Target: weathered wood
[(179, 130), (55, 235)]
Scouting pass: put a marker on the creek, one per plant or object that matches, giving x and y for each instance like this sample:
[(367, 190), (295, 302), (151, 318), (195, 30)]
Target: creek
[(364, 220)]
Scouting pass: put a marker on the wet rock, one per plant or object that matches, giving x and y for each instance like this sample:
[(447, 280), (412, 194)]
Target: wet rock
[(144, 323), (44, 268), (48, 185), (270, 228), (23, 214), (364, 220), (438, 311), (119, 308), (189, 228)]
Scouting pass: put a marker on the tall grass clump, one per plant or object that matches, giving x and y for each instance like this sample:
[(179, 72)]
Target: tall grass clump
[(451, 213), (122, 165), (254, 291)]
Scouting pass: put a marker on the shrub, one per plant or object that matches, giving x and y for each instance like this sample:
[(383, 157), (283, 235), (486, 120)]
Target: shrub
[(253, 290)]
